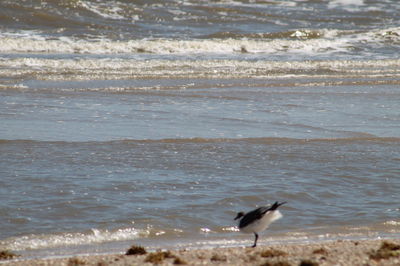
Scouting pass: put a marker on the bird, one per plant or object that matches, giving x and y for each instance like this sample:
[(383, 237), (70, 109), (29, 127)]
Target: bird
[(259, 219)]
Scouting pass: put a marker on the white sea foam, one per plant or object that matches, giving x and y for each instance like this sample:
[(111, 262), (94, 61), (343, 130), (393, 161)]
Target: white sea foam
[(394, 223), (168, 65), (66, 239), (114, 69), (107, 9), (329, 41), (163, 46), (356, 5), (345, 3)]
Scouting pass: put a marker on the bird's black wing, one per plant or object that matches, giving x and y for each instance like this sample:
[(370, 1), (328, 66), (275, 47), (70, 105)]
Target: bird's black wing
[(252, 216), (257, 214)]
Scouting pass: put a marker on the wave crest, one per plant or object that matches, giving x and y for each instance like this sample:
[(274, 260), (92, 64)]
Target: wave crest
[(298, 41)]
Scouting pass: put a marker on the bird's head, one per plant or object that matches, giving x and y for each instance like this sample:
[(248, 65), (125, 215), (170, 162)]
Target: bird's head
[(239, 215)]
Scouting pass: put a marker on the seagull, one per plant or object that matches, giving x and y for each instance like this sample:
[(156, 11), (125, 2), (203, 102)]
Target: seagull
[(259, 219)]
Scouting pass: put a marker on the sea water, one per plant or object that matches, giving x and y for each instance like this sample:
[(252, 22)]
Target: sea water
[(155, 122)]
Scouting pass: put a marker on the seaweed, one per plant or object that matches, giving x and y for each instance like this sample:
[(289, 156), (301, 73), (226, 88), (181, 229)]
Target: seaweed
[(276, 263), (387, 250), (159, 256), (217, 257), (308, 263), (270, 253), (75, 262), (321, 251), (7, 255), (136, 250), (179, 261)]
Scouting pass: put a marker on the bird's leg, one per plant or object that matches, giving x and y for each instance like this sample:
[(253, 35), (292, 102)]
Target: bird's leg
[(255, 240)]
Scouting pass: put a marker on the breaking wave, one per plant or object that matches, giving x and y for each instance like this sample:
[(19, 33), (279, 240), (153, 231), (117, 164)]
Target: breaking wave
[(299, 41)]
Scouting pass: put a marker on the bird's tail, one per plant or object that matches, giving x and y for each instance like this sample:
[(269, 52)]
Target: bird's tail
[(276, 205)]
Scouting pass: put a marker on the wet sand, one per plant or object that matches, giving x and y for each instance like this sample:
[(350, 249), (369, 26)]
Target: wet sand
[(340, 252)]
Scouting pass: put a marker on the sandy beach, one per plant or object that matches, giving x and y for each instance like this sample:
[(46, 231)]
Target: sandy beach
[(340, 252)]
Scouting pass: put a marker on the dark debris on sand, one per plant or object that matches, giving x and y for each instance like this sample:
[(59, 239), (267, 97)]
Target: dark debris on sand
[(136, 250), (7, 255), (387, 250)]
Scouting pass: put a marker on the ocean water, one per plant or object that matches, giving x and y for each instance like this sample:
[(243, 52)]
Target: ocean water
[(155, 122)]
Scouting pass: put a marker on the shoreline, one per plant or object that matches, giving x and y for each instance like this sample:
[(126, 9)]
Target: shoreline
[(336, 252)]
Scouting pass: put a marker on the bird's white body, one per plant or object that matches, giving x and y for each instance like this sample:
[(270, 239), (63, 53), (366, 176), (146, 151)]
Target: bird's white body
[(263, 223), (258, 220)]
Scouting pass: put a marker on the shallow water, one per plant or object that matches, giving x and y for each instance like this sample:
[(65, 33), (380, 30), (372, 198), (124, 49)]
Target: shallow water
[(154, 123)]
